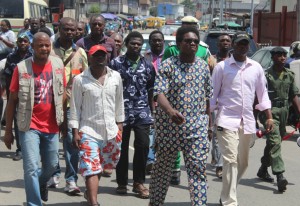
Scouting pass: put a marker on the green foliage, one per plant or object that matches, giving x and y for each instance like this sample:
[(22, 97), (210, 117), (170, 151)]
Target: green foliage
[(188, 4), (153, 11), (94, 9)]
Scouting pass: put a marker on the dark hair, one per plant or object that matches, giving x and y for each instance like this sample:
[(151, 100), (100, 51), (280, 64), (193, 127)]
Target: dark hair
[(155, 32), (222, 36), (93, 17), (45, 30), (134, 34), (7, 23), (183, 30)]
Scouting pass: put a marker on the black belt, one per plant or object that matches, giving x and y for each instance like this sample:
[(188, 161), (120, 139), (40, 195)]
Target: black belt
[(280, 103)]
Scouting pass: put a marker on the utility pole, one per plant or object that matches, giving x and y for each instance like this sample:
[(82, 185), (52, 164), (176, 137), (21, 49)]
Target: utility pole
[(252, 16), (298, 19), (119, 7), (221, 10)]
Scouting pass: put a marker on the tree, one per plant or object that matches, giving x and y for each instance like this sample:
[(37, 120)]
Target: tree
[(188, 4), (94, 9)]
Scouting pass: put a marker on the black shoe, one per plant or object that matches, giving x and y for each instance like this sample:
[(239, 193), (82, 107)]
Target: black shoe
[(281, 183), (175, 179), (18, 156), (44, 193), (264, 175)]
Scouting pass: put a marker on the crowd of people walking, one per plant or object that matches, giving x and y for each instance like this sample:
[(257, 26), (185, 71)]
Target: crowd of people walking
[(65, 82)]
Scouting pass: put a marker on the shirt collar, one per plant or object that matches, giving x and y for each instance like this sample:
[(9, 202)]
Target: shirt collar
[(233, 61), (150, 52), (87, 73), (57, 44)]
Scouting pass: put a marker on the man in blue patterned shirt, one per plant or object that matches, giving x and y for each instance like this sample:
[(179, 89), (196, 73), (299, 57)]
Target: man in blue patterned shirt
[(138, 77)]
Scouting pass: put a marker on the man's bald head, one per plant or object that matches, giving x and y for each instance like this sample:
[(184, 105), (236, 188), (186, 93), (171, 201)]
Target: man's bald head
[(40, 35)]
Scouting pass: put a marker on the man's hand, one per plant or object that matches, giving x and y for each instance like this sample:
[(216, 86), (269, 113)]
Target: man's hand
[(76, 140), (120, 126), (176, 117), (64, 129), (269, 125), (210, 135), (8, 139)]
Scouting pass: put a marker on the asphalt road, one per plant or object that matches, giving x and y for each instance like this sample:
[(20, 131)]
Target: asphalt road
[(251, 190)]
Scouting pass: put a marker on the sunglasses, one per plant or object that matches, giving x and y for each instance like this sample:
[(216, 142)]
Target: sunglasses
[(189, 41)]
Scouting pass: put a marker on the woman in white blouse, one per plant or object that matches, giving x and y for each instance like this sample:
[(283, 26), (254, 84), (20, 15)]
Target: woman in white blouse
[(7, 39)]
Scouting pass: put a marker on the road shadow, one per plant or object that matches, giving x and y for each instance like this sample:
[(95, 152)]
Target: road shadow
[(8, 155), (256, 183)]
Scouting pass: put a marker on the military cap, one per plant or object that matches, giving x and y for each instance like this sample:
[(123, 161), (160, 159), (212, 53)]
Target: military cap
[(239, 36), (278, 50), (189, 20)]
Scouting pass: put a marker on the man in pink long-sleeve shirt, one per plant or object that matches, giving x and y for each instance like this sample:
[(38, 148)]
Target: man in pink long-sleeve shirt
[(236, 81)]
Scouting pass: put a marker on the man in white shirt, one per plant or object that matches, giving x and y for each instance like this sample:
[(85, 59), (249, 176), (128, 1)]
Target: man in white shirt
[(97, 115)]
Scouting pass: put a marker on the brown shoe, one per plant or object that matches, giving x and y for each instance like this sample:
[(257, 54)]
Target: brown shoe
[(141, 190), (219, 171), (107, 172)]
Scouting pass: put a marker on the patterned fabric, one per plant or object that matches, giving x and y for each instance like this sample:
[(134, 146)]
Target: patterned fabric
[(96, 155), (13, 59), (195, 153), (187, 87), (137, 83)]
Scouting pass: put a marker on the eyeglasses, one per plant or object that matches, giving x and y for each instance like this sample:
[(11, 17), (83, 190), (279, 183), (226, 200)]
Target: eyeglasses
[(189, 41)]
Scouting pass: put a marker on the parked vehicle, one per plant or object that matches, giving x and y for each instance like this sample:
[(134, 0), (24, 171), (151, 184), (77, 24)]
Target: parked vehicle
[(155, 22), (16, 11), (211, 39), (169, 29), (263, 56)]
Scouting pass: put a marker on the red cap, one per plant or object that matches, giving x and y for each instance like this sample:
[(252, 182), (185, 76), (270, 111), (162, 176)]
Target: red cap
[(96, 48)]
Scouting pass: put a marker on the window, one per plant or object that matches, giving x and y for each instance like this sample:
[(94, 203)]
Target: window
[(11, 9)]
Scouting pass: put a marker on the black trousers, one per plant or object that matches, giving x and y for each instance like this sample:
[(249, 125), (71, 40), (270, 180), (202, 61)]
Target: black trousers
[(141, 149)]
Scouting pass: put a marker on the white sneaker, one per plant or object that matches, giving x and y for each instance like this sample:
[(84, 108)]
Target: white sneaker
[(72, 188), (53, 182)]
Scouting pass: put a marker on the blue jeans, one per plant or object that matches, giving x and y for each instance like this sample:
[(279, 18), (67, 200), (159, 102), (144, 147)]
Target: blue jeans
[(151, 154), (33, 144), (71, 156)]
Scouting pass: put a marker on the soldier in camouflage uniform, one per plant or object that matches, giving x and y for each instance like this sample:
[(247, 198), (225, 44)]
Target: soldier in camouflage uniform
[(282, 91)]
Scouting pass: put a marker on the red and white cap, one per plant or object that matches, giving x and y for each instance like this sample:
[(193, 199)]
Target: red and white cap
[(96, 48)]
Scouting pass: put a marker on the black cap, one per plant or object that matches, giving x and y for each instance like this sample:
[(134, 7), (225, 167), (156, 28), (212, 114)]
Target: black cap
[(239, 36), (278, 50)]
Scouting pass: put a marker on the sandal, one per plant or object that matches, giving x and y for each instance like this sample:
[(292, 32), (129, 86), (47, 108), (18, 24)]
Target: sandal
[(121, 189), (141, 190)]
